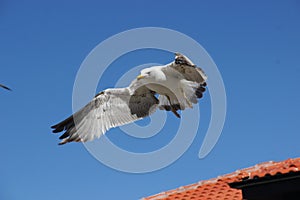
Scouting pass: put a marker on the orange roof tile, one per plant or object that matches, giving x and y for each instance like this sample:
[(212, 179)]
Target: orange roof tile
[(219, 189)]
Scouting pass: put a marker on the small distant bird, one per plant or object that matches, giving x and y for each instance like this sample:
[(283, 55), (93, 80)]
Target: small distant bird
[(3, 86), (179, 85)]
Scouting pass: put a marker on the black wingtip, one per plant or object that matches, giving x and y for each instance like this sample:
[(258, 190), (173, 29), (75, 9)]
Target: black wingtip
[(57, 129), (63, 142), (61, 126), (200, 90), (204, 84), (65, 135)]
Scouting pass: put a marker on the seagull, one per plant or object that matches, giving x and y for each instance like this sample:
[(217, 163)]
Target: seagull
[(3, 86), (171, 87)]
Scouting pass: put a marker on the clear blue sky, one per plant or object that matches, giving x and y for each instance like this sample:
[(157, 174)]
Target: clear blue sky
[(255, 45)]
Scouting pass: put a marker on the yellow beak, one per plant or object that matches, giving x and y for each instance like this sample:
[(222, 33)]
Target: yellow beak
[(140, 77)]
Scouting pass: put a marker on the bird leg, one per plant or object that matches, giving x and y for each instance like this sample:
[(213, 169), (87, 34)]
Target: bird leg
[(173, 109)]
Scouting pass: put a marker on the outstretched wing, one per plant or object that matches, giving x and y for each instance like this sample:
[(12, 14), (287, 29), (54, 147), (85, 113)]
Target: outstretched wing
[(108, 109), (188, 69)]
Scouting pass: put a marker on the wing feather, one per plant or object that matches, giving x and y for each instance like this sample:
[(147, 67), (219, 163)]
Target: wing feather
[(110, 108), (188, 69), (192, 82)]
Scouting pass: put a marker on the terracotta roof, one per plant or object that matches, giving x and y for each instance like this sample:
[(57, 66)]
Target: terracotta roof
[(219, 189)]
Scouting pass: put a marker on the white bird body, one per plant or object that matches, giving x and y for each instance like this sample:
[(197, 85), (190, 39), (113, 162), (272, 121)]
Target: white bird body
[(163, 84), (179, 84)]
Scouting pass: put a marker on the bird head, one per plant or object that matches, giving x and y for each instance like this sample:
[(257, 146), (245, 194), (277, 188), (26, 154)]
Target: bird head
[(151, 74), (145, 74)]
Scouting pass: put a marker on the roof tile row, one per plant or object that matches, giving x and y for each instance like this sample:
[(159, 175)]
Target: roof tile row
[(219, 189)]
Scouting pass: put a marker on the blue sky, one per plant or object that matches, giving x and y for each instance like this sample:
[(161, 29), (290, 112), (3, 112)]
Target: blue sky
[(255, 45)]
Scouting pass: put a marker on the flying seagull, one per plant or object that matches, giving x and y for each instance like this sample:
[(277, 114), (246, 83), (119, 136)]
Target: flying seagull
[(3, 86), (179, 85)]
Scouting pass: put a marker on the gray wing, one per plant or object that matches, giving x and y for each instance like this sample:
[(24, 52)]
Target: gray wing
[(108, 109), (192, 82), (188, 69), (143, 101)]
